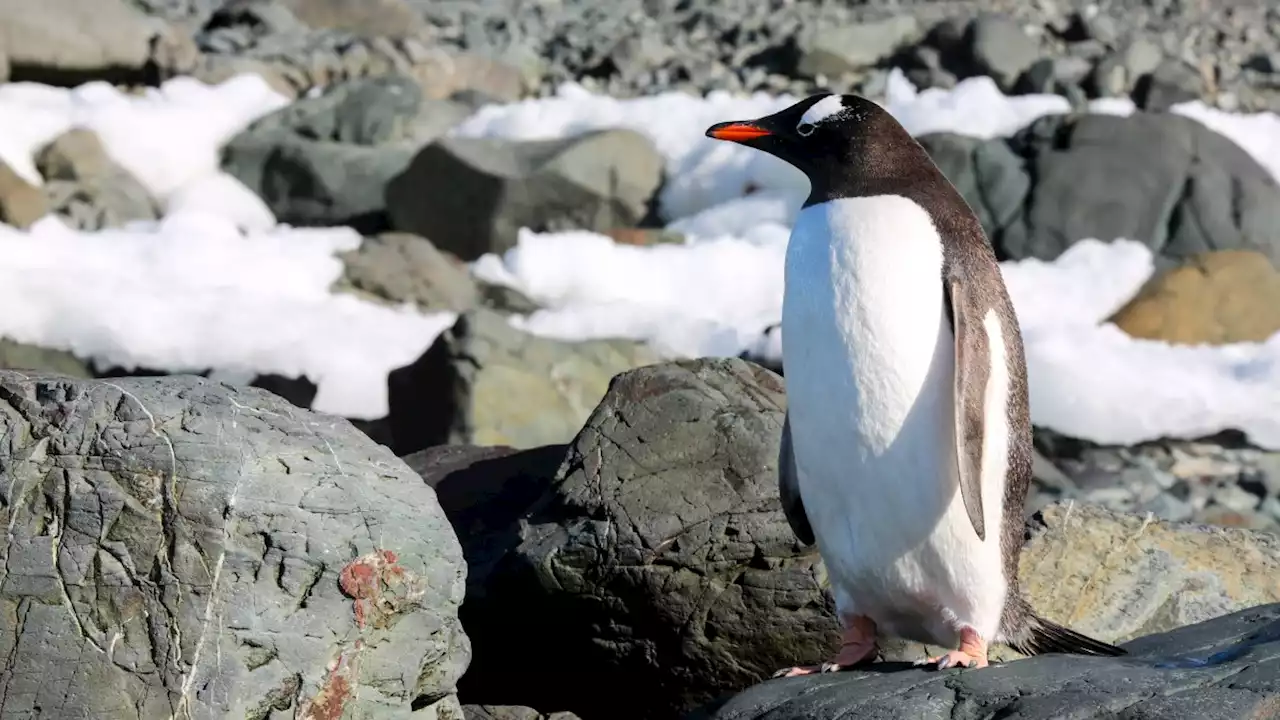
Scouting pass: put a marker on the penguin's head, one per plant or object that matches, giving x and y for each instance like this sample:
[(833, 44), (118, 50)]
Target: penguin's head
[(830, 138)]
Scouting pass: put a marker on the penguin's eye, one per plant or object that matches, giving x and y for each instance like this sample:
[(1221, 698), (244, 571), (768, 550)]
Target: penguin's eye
[(805, 129)]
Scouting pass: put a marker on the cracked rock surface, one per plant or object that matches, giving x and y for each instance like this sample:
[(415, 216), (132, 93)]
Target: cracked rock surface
[(1227, 668), (657, 563), (177, 547)]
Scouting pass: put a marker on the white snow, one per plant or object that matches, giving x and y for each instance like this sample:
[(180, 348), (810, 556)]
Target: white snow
[(166, 137), (193, 292), (217, 283)]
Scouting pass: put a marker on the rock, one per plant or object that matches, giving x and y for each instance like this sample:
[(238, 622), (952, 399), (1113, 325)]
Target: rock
[(1222, 669), (1118, 577), (510, 712), (655, 557), (21, 203), (484, 491), (20, 356), (401, 268), (1000, 49), (988, 174), (217, 69), (1172, 82), (1161, 179), (485, 382), (68, 42), (1215, 298), (179, 545), (89, 189), (327, 160), (1119, 72), (471, 196), (833, 50), (365, 18)]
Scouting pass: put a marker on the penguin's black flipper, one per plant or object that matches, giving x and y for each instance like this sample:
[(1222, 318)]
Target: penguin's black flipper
[(789, 487)]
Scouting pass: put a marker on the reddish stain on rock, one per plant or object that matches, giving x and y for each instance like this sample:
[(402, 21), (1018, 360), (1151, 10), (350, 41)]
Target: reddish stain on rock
[(380, 587), (331, 701)]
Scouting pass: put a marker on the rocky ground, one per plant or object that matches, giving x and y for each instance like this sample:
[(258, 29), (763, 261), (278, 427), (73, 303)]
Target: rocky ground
[(179, 546)]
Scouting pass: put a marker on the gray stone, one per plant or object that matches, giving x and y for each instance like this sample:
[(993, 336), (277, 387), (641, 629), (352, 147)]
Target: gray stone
[(180, 548), (1227, 668), (655, 557), (471, 196), (21, 356), (327, 160), (68, 42), (1172, 82), (510, 712), (1119, 72), (1269, 472), (1163, 180), (833, 50), (89, 189), (486, 382), (989, 176), (365, 18), (400, 268), (1000, 48)]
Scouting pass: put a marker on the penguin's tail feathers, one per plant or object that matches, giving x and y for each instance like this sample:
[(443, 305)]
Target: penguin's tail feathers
[(1045, 636)]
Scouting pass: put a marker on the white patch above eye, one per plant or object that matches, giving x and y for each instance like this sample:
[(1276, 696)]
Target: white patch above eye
[(822, 110)]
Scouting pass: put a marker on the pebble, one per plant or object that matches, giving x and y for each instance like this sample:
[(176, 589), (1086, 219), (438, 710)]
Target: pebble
[(1182, 481)]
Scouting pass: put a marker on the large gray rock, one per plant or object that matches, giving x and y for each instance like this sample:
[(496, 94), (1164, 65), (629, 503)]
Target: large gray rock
[(88, 189), (402, 268), (1000, 48), (1164, 180), (486, 382), (327, 160), (835, 49), (180, 548), (471, 196), (1222, 669), (68, 42), (657, 563)]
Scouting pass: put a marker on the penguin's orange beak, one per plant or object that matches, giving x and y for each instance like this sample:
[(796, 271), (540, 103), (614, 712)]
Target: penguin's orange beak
[(737, 131)]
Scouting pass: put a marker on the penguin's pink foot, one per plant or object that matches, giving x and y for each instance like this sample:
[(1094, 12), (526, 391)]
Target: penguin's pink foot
[(972, 653), (857, 645)]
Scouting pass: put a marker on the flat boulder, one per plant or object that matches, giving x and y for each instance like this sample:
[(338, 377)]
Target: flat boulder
[(1215, 298), (178, 547), (485, 382), (1227, 668), (472, 196), (398, 268)]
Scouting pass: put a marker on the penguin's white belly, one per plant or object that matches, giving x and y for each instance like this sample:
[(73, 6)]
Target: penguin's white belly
[(869, 359)]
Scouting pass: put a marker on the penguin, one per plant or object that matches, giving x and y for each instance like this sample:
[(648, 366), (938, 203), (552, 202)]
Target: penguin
[(906, 445)]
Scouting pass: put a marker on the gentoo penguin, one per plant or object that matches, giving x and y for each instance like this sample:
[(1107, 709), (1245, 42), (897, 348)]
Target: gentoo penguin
[(906, 446)]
